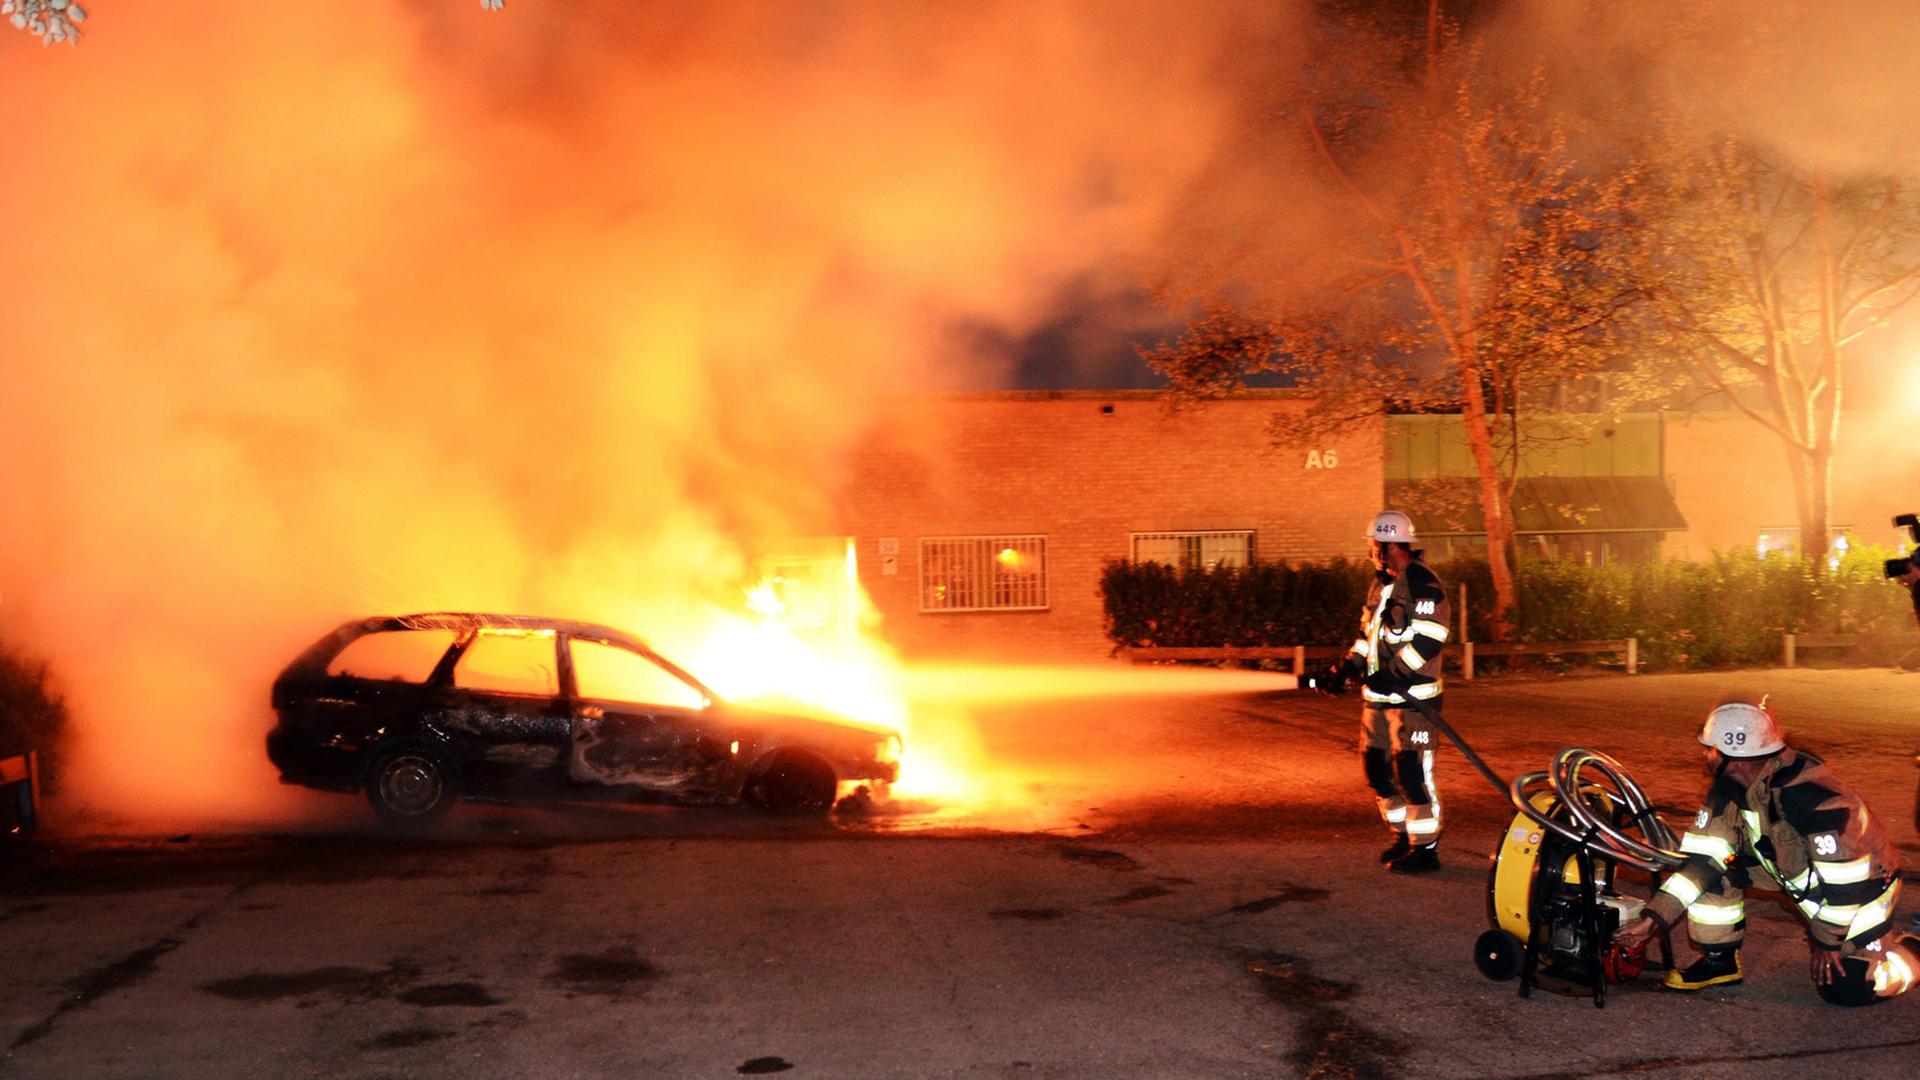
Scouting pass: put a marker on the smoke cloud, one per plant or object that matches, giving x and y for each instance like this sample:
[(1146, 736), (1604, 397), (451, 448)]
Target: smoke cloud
[(318, 310)]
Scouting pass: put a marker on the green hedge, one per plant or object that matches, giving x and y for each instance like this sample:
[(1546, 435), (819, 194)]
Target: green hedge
[(1730, 609)]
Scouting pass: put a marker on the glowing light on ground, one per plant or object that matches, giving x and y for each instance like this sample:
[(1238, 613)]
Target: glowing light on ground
[(949, 775)]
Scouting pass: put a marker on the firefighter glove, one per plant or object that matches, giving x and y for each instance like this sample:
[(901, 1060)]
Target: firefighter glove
[(1382, 682)]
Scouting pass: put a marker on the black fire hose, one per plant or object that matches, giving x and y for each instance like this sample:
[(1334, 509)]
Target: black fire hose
[(1589, 830), (1473, 759)]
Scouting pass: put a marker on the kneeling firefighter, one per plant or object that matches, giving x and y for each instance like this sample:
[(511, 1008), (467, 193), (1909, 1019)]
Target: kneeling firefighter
[(1397, 661), (1773, 807)]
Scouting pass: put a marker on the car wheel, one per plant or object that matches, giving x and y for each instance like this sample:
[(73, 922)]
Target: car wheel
[(796, 784), (412, 784)]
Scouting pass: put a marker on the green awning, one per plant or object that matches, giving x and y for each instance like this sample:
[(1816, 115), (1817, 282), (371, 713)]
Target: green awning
[(1450, 505)]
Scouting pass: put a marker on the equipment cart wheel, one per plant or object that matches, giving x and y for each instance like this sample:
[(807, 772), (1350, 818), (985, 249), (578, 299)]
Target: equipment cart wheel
[(1498, 955)]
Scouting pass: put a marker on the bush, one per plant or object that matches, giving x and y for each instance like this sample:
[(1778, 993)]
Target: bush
[(1730, 609), (1267, 603), (32, 715)]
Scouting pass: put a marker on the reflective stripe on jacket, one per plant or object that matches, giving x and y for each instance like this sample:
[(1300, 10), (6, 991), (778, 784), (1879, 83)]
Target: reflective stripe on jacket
[(1810, 833), (1402, 630)]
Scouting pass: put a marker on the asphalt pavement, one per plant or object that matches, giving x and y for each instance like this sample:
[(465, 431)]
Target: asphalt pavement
[(1153, 883)]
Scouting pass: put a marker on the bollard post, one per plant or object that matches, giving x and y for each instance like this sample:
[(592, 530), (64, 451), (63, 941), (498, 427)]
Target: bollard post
[(1299, 660), (1633, 656), (1466, 660), (1786, 647)]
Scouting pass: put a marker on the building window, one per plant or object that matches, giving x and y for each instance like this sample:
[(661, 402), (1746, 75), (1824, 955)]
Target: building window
[(983, 573), (1194, 550)]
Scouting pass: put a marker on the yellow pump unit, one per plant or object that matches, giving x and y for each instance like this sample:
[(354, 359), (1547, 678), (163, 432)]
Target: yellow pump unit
[(1551, 898), (1550, 893)]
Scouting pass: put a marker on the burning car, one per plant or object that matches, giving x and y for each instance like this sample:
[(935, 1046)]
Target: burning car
[(420, 711)]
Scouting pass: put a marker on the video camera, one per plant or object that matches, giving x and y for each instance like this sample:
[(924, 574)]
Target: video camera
[(1897, 568)]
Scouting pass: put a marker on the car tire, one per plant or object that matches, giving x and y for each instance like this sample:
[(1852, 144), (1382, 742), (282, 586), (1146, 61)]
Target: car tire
[(796, 784), (412, 784)]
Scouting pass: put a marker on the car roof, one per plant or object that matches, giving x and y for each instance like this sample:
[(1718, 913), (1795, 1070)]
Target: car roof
[(481, 620), (315, 659)]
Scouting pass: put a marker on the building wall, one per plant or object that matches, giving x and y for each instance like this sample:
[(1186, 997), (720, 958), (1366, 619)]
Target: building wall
[(1729, 475), (1086, 470)]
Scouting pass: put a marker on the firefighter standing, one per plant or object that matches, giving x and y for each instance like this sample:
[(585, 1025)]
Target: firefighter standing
[(1783, 811), (1397, 660)]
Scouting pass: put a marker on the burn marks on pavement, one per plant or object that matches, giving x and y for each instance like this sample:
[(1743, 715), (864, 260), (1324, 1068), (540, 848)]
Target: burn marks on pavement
[(469, 995), (1328, 1043), (760, 1065), (1027, 914), (348, 984), (1105, 860), (1144, 892), (1288, 894), (100, 982), (616, 972), (405, 1038)]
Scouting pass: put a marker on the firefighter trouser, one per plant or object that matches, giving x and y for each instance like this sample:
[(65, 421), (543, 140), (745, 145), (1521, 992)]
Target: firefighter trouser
[(1718, 919), (1396, 751), (1880, 968)]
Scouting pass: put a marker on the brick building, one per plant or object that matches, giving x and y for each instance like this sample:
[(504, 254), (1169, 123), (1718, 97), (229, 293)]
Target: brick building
[(982, 521)]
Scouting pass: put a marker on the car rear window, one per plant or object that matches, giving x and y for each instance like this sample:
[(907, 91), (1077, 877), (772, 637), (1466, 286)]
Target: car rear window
[(608, 673), (510, 662), (393, 655)]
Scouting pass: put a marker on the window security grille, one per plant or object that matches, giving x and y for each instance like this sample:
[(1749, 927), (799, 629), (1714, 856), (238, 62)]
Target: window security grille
[(1194, 550), (983, 573)]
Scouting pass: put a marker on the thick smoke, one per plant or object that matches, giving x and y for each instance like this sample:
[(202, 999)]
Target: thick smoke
[(316, 310), (1828, 86)]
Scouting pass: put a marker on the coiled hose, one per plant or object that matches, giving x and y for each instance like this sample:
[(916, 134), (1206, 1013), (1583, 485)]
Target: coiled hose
[(1579, 778)]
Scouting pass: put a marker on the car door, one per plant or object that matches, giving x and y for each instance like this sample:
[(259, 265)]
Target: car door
[(636, 723), (378, 683), (502, 705)]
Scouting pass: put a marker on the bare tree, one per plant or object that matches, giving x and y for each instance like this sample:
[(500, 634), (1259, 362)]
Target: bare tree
[(1764, 277), (1480, 273)]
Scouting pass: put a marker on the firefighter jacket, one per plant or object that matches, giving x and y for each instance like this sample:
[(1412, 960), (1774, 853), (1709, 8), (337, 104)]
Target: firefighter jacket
[(1810, 833), (1402, 629)]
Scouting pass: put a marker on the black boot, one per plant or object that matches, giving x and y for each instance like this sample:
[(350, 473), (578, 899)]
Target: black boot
[(1424, 859), (1398, 849), (1717, 965)]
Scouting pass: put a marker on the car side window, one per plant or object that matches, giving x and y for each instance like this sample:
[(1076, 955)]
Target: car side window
[(393, 655), (510, 662), (604, 672)]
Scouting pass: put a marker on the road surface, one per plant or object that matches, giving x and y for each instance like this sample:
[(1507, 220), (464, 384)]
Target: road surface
[(1161, 884)]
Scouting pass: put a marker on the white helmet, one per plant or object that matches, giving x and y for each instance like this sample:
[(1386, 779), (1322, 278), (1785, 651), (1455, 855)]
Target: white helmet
[(1743, 731), (1391, 527)]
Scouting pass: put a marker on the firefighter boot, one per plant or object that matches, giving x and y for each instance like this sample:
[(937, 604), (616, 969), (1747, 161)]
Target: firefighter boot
[(1715, 967), (1424, 859), (1398, 849)]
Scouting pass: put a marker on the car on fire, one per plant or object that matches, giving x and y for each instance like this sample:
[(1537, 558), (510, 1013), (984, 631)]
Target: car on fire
[(420, 711)]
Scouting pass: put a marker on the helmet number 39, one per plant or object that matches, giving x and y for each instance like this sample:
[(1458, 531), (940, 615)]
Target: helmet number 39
[(1734, 738)]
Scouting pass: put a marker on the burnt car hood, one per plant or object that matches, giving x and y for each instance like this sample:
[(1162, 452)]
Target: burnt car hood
[(799, 726)]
